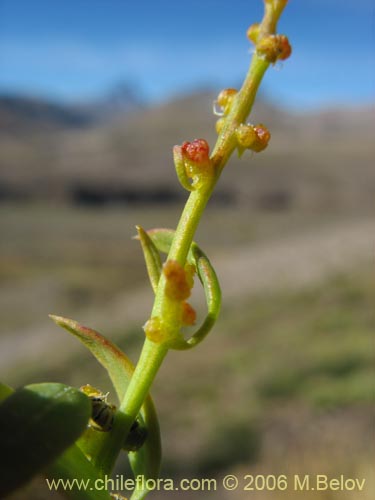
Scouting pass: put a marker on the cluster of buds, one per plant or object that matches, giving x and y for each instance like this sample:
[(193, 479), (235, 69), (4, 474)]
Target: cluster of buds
[(253, 137), (179, 283), (193, 164), (272, 48)]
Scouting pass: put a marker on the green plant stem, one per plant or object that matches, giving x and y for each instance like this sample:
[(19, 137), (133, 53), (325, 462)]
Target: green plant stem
[(240, 110), (152, 353)]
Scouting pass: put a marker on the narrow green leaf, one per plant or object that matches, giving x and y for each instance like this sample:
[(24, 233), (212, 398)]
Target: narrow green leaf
[(152, 257), (5, 391), (37, 423), (179, 164), (117, 364), (73, 468)]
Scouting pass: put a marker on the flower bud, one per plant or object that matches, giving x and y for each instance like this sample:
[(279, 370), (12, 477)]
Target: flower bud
[(263, 137), (153, 330), (285, 49), (189, 315), (246, 136), (225, 99), (253, 32), (178, 286), (274, 47), (196, 151)]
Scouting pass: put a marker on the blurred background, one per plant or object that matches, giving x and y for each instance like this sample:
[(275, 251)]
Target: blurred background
[(93, 96)]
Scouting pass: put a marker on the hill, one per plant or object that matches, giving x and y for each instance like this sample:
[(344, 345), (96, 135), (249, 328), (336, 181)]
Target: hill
[(51, 152)]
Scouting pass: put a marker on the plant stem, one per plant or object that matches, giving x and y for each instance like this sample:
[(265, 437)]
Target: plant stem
[(152, 353)]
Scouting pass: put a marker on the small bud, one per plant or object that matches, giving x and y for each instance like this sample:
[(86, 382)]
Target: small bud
[(263, 137), (268, 48), (225, 99), (274, 47), (153, 330), (196, 164), (220, 125), (246, 136), (178, 285), (285, 49), (189, 315), (253, 32), (196, 151)]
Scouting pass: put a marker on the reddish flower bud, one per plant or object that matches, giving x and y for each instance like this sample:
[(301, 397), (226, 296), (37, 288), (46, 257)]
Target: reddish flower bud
[(189, 315), (178, 285), (285, 49), (196, 151), (263, 137)]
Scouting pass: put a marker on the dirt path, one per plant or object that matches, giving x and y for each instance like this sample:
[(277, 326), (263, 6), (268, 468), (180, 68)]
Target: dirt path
[(295, 261)]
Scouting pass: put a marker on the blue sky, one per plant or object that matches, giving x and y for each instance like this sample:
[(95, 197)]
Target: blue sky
[(79, 49)]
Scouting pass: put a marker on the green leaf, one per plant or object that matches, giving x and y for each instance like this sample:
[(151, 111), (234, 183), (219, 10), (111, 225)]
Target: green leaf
[(73, 466), (147, 459), (179, 164), (5, 391), (117, 364), (37, 423), (152, 257), (208, 278), (162, 238)]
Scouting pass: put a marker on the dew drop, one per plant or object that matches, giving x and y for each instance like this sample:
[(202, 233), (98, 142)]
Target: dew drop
[(278, 66), (217, 109)]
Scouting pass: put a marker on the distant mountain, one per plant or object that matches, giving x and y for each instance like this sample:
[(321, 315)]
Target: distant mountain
[(118, 151), (122, 99), (20, 114)]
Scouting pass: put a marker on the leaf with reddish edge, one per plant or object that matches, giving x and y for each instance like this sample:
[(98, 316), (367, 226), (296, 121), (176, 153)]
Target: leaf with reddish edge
[(117, 364), (146, 461)]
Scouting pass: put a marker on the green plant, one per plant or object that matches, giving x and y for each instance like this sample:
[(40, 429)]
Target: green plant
[(46, 411)]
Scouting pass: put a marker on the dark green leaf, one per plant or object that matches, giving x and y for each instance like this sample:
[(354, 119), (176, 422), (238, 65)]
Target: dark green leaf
[(73, 466), (37, 423)]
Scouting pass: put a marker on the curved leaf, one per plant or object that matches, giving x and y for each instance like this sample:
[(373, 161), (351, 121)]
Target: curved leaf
[(208, 278), (37, 423), (117, 364)]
